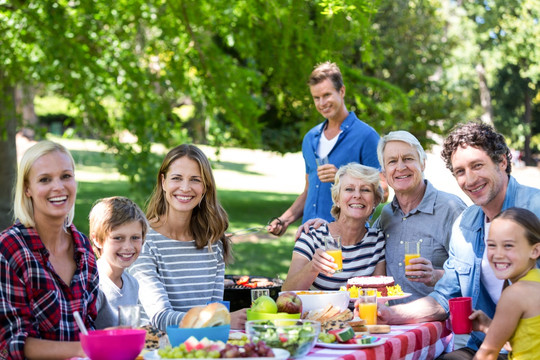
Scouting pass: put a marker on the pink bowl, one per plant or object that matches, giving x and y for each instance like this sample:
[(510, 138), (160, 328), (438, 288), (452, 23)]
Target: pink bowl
[(117, 344)]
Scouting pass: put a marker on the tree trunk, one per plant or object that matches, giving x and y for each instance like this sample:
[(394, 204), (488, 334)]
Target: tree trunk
[(527, 117), (24, 101), (8, 151), (485, 96)]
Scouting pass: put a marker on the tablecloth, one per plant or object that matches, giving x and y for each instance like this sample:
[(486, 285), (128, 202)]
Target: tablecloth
[(410, 342)]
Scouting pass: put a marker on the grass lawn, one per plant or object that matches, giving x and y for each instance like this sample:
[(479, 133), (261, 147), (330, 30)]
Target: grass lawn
[(255, 254)]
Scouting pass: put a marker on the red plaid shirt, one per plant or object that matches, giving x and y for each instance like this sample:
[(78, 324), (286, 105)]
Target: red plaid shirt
[(34, 301)]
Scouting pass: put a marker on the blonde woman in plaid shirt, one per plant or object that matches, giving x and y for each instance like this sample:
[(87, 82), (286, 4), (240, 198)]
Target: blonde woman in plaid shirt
[(47, 267)]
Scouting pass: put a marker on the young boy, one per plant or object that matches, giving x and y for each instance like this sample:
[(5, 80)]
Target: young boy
[(117, 230)]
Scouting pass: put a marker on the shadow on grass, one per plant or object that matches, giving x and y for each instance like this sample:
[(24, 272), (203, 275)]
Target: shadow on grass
[(252, 208), (238, 167), (99, 159), (265, 258), (89, 192), (107, 160)]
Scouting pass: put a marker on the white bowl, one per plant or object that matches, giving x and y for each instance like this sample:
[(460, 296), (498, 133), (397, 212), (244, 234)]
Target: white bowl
[(318, 299)]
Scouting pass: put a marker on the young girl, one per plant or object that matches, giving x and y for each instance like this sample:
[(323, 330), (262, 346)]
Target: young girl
[(513, 246), (117, 229)]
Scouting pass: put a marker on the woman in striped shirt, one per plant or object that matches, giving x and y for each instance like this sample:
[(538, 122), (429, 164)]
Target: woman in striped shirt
[(356, 193), (182, 263)]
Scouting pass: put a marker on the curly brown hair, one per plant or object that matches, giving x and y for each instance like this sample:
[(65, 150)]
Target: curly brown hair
[(479, 135)]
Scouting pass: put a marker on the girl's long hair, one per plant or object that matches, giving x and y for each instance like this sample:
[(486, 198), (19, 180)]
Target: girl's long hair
[(209, 221)]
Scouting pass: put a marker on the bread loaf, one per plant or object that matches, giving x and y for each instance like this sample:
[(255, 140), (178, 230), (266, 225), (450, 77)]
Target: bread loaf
[(215, 314), (378, 329)]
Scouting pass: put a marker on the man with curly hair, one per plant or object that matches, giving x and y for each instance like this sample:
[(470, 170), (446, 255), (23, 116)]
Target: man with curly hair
[(479, 159)]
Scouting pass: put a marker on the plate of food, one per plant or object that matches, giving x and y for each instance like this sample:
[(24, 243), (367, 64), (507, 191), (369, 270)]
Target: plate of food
[(387, 289), (279, 354), (383, 299), (360, 343)]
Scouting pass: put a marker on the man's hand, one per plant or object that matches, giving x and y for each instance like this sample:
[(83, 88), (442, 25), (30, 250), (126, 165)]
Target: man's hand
[(384, 313), (327, 173), (238, 319), (277, 227), (421, 270), (304, 228)]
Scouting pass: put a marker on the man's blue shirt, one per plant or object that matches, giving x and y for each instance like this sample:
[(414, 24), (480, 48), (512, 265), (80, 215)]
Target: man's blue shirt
[(357, 142), (463, 267)]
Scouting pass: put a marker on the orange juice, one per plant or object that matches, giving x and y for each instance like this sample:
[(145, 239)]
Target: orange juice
[(338, 258), (408, 258), (368, 312)]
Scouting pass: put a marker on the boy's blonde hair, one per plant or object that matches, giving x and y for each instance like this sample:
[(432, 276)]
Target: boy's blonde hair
[(109, 213)]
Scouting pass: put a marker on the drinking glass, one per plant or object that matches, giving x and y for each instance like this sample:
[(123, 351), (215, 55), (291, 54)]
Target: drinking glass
[(255, 293), (322, 161), (129, 316), (412, 251), (460, 310), (332, 246), (367, 305)]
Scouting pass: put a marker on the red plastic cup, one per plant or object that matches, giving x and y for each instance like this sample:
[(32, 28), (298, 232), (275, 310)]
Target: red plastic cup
[(460, 310)]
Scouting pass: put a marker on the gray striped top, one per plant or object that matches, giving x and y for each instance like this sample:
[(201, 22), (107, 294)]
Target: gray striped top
[(358, 259), (174, 277)]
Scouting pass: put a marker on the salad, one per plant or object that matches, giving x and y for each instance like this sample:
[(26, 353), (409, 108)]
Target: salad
[(298, 338)]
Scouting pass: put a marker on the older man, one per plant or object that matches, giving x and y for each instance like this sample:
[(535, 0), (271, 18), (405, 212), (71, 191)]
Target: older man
[(418, 212), (479, 159)]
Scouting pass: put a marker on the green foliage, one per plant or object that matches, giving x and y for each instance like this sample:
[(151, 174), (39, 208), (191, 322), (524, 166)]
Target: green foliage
[(507, 34), (411, 44), (126, 65)]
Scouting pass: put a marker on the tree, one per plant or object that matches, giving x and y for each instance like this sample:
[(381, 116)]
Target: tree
[(507, 33), (413, 48), (125, 65)]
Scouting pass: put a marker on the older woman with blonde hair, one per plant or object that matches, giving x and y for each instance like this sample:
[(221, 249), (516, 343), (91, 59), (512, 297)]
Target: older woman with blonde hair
[(356, 192), (48, 267)]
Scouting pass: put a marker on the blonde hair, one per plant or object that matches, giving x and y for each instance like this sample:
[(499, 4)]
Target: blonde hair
[(209, 221), (357, 171), (110, 213), (23, 208)]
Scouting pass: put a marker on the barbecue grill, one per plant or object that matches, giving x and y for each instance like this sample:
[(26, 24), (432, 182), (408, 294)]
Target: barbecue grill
[(240, 295)]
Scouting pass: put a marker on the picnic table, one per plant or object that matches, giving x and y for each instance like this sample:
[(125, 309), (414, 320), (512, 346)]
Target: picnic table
[(414, 341)]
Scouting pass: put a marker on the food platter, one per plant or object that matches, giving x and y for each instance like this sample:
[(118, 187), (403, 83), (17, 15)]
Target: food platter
[(383, 299), (280, 354), (378, 342)]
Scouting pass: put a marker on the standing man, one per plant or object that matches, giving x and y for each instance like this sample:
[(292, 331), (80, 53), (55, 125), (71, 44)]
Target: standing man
[(480, 160), (340, 139), (418, 212)]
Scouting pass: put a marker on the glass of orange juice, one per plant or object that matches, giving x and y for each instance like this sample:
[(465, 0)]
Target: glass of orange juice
[(367, 305), (412, 251), (332, 246)]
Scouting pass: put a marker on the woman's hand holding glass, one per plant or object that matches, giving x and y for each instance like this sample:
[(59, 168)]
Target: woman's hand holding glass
[(323, 263)]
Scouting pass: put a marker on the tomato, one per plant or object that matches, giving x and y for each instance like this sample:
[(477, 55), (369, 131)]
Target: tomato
[(243, 280)]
